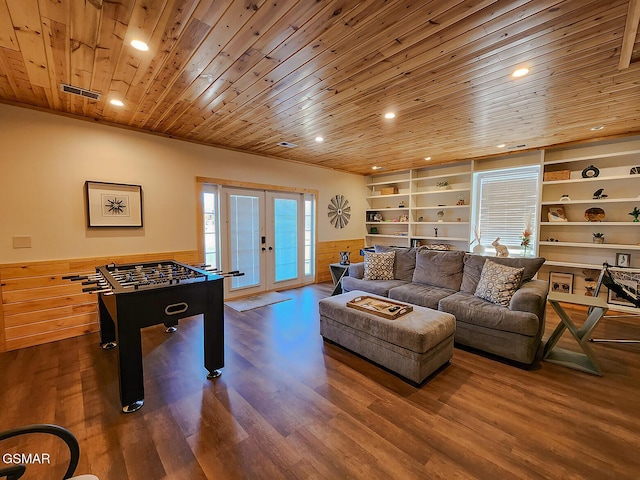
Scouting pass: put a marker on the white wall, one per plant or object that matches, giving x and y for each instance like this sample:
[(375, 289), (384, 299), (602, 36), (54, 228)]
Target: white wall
[(45, 160)]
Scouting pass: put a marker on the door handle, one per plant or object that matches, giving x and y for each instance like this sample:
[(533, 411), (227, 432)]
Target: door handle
[(263, 249)]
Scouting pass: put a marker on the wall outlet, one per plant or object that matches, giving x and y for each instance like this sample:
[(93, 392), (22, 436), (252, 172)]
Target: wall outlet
[(22, 242)]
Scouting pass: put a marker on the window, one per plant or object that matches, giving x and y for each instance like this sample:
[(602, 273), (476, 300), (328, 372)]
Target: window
[(505, 202), (211, 240)]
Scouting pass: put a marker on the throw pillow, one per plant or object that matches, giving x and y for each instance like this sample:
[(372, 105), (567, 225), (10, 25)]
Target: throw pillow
[(498, 283), (379, 266), (439, 269), (435, 246), (404, 263)]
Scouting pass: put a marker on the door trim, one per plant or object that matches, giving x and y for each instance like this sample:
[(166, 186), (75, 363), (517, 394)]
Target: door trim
[(225, 182)]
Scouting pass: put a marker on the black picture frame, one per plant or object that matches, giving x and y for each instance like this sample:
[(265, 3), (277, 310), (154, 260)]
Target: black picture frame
[(113, 204)]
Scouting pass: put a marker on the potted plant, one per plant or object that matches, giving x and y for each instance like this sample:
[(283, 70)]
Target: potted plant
[(442, 185), (598, 237), (635, 213)]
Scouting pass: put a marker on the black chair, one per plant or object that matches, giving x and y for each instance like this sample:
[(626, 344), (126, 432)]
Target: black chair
[(623, 281), (14, 472)]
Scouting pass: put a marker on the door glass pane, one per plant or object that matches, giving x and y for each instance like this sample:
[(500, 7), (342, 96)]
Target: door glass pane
[(210, 230), (244, 233), (286, 238)]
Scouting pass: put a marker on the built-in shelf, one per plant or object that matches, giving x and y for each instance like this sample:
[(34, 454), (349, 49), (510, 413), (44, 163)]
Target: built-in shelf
[(440, 207), (440, 192), (614, 161), (613, 246), (387, 223), (391, 195), (592, 201), (590, 266), (590, 158), (441, 223), (450, 239), (420, 186), (382, 235), (593, 224)]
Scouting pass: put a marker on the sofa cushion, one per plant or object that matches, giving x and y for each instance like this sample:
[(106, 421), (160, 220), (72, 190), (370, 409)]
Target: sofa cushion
[(379, 287), (473, 268), (405, 261), (379, 266), (498, 283), (439, 269), (468, 308), (419, 294)]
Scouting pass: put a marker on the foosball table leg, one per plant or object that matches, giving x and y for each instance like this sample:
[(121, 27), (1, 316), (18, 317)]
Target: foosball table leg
[(109, 345), (133, 407)]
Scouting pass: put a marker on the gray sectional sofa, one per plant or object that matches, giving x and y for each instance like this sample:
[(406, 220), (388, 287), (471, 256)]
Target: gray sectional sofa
[(447, 281)]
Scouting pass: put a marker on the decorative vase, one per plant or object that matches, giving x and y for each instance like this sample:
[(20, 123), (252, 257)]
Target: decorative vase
[(598, 239), (525, 250)]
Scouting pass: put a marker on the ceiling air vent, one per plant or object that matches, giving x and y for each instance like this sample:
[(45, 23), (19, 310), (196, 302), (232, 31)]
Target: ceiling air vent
[(515, 147), (79, 91), (287, 144)]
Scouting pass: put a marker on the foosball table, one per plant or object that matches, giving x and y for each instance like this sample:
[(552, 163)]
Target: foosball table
[(134, 296)]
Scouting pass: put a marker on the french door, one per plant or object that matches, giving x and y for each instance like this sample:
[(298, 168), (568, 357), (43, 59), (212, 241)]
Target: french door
[(265, 239)]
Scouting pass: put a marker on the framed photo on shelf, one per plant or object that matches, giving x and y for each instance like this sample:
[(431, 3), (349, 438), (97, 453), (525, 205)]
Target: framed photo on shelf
[(561, 282), (556, 214), (623, 260), (616, 299), (113, 204)]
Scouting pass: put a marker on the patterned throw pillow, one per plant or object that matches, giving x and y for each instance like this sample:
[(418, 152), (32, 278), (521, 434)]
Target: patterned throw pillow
[(379, 266), (498, 283)]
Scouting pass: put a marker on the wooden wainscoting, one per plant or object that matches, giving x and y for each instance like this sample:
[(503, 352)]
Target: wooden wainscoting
[(38, 306), (329, 252)]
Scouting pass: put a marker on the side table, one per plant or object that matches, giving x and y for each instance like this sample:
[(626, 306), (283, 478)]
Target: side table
[(587, 361), (337, 272)]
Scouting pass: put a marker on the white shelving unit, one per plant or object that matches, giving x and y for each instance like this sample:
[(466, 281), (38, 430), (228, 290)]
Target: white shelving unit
[(568, 246), (427, 206)]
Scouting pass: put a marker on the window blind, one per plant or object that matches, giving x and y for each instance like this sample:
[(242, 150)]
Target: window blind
[(508, 199)]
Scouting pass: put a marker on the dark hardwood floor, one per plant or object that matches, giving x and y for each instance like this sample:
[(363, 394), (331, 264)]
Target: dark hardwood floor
[(290, 406)]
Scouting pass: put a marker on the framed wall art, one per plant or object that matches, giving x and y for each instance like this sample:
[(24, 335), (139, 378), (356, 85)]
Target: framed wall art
[(623, 260), (113, 204), (561, 282)]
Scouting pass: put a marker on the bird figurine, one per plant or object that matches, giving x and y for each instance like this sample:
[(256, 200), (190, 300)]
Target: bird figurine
[(597, 195)]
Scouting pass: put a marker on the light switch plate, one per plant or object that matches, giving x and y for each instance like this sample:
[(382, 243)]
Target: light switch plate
[(22, 242)]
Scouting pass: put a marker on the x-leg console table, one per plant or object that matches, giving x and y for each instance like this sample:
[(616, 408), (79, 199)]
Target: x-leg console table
[(587, 361)]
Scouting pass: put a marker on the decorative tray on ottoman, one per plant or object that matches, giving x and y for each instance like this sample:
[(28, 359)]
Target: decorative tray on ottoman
[(381, 307)]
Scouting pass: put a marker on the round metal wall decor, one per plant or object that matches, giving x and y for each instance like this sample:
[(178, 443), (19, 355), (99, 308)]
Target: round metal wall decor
[(339, 211)]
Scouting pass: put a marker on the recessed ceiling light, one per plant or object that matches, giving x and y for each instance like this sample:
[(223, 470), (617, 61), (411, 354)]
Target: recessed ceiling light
[(116, 102), (319, 139), (502, 145), (521, 72), (139, 45), (389, 115), (599, 127), (375, 167), (427, 158)]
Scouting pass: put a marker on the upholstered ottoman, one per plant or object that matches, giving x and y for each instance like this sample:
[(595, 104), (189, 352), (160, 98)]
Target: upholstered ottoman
[(414, 345)]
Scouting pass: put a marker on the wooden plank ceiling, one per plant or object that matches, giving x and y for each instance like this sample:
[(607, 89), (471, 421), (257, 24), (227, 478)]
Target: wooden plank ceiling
[(248, 74)]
